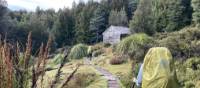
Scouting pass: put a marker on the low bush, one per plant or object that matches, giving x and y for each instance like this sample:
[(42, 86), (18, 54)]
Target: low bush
[(135, 46), (188, 72), (95, 50), (182, 44), (118, 59), (78, 51)]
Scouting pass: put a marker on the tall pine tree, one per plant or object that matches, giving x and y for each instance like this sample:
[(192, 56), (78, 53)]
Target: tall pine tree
[(170, 15), (63, 28), (118, 18), (161, 16), (142, 21), (3, 11), (83, 15), (132, 6), (196, 13), (98, 24)]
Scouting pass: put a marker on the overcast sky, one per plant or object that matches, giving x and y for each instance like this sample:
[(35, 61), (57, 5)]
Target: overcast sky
[(44, 4)]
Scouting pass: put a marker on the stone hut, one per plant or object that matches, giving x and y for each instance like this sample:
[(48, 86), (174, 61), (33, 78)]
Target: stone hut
[(114, 34)]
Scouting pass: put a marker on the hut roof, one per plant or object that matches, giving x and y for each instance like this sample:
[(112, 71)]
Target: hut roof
[(118, 29)]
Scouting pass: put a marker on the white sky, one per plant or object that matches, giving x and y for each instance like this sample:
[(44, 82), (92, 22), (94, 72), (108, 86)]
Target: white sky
[(44, 4)]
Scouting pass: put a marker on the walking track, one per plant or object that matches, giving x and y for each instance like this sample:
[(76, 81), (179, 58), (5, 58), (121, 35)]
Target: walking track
[(112, 80)]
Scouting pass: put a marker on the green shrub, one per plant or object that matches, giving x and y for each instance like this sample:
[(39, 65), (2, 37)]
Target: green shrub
[(188, 72), (78, 51), (182, 44), (95, 48), (135, 45)]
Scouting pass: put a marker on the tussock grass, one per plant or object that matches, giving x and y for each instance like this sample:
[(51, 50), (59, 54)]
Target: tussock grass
[(135, 45), (78, 51)]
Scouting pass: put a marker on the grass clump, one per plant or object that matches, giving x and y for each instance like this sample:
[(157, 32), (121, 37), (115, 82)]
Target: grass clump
[(135, 45), (78, 51)]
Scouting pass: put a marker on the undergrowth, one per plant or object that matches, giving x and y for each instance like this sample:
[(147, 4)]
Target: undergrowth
[(188, 72)]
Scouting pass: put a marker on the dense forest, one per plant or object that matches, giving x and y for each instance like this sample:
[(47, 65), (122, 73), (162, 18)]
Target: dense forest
[(85, 22)]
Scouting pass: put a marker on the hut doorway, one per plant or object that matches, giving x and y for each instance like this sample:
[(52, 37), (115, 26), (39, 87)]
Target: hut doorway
[(122, 36)]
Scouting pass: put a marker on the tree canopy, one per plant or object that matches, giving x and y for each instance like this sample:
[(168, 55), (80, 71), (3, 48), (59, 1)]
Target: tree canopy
[(86, 21)]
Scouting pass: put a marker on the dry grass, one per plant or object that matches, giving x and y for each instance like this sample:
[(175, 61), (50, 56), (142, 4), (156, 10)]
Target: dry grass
[(6, 65), (15, 70)]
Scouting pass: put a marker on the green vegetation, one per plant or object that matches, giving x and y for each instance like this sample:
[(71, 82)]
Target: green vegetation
[(161, 16), (135, 45), (118, 18), (196, 14), (78, 51), (174, 24), (182, 44), (188, 72), (141, 21)]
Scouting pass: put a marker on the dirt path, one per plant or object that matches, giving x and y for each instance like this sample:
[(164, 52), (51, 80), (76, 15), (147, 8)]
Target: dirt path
[(112, 80)]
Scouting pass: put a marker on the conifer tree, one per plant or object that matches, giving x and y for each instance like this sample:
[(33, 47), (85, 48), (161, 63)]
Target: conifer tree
[(161, 16), (170, 15), (142, 20), (196, 13), (118, 18), (98, 25)]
